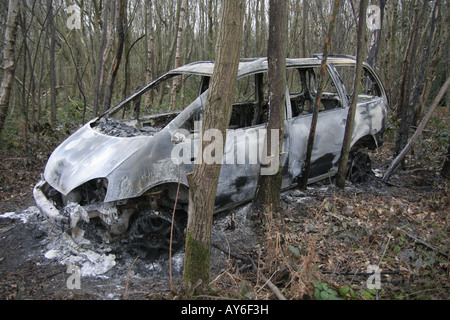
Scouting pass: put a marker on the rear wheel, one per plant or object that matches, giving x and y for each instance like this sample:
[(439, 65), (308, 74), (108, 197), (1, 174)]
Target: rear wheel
[(150, 235)]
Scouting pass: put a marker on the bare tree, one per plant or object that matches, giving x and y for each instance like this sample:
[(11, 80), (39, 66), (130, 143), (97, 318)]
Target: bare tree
[(176, 80), (445, 172), (103, 53), (51, 25), (9, 63), (372, 58), (203, 180), (150, 48), (343, 161), (120, 39), (268, 195)]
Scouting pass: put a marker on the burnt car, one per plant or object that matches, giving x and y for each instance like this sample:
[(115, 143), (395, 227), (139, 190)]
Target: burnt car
[(128, 166)]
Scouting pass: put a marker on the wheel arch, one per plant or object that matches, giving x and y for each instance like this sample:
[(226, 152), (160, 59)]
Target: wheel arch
[(366, 142), (169, 195)]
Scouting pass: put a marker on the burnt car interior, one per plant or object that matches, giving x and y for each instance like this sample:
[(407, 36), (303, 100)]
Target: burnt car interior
[(251, 105), (139, 117), (303, 89), (250, 108)]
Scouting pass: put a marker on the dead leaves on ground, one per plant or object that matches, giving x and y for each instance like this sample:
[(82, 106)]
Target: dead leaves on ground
[(327, 236)]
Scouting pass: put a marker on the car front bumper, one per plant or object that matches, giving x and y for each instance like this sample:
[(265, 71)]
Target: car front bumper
[(46, 207)]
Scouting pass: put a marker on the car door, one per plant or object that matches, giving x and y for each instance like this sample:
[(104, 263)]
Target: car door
[(243, 161), (330, 125)]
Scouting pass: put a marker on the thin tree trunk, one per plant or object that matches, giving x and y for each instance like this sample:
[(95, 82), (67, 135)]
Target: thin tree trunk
[(445, 172), (101, 63), (150, 50), (127, 47), (176, 81), (304, 29), (407, 61), (312, 132), (421, 87), (120, 36), (39, 91), (203, 180), (268, 195), (263, 27), (343, 161), (171, 55), (210, 31), (372, 58), (51, 25), (9, 64), (391, 48)]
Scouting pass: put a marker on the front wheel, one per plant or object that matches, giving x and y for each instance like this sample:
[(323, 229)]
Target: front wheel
[(150, 235)]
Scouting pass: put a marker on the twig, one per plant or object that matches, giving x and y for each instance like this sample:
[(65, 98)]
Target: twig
[(171, 233), (128, 277), (274, 288), (424, 243), (365, 274), (385, 249)]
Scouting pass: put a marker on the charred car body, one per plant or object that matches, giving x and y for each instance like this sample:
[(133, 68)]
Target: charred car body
[(119, 166)]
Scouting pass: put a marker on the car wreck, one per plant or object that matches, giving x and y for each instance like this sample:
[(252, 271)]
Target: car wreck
[(120, 166)]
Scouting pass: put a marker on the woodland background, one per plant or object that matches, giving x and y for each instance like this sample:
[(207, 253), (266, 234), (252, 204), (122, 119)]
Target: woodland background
[(70, 70)]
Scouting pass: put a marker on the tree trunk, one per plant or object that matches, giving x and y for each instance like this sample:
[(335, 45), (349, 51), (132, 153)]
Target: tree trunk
[(372, 58), (422, 83), (150, 50), (343, 161), (445, 172), (51, 25), (120, 37), (268, 195), (203, 180), (176, 81), (103, 53), (305, 29), (9, 64), (312, 132), (127, 47)]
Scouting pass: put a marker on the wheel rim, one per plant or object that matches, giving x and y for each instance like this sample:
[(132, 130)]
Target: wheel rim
[(150, 236)]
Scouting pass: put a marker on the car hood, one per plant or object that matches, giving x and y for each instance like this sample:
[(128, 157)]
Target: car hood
[(88, 154)]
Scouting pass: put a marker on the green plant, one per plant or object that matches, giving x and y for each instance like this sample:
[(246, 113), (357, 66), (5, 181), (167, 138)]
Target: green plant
[(322, 291), (347, 293)]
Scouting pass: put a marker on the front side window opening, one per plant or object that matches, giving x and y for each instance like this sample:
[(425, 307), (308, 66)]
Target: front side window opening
[(164, 97), (251, 105), (369, 87), (303, 88)]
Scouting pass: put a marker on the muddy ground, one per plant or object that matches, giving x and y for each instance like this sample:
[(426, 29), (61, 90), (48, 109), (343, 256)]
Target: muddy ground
[(402, 227)]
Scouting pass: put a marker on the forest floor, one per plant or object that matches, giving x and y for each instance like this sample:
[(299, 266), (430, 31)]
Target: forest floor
[(319, 247)]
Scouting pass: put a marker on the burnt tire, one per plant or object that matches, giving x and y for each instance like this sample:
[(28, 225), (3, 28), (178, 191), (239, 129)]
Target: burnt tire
[(150, 235), (359, 168)]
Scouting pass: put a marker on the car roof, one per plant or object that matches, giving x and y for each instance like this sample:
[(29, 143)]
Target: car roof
[(254, 65)]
